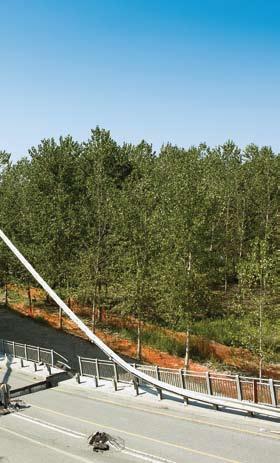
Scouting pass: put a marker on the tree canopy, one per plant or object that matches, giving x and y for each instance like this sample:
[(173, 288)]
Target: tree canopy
[(163, 237)]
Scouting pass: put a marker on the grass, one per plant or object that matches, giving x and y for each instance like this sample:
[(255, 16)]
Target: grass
[(14, 297), (158, 339), (242, 332), (230, 331), (219, 330)]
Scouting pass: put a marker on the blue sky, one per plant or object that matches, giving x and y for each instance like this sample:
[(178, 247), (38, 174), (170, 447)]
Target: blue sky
[(184, 71)]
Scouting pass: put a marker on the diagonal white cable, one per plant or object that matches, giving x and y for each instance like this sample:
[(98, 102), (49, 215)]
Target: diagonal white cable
[(116, 358)]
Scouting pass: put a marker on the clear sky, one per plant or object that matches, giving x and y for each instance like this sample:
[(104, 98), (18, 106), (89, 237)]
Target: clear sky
[(185, 71)]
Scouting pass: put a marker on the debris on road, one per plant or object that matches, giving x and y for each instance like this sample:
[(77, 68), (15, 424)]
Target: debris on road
[(17, 405), (6, 404), (100, 442), (4, 395)]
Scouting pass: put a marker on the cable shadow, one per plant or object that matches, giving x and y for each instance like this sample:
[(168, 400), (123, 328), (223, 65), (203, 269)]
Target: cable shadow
[(8, 371)]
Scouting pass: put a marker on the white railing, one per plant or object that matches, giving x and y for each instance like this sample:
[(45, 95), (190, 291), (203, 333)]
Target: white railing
[(30, 353), (241, 388), (137, 375)]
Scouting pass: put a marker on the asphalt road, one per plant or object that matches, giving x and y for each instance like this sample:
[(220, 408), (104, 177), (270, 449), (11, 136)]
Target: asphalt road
[(58, 421)]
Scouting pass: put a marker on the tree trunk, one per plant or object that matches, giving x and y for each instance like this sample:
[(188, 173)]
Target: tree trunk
[(187, 354), (99, 314), (99, 287), (226, 249), (260, 366), (93, 318), (6, 295), (267, 212), (189, 262), (225, 279), (260, 333), (242, 231), (139, 343), (60, 318), (212, 238), (29, 301)]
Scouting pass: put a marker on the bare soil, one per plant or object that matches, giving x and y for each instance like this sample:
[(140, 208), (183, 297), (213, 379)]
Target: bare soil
[(234, 358)]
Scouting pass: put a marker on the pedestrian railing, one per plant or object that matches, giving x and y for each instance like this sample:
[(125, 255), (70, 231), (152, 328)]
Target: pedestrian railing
[(32, 353), (138, 376), (241, 388)]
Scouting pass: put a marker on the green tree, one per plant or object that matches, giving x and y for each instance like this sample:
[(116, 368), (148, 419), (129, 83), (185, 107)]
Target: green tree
[(137, 245), (102, 170), (257, 279), (183, 228), (53, 195)]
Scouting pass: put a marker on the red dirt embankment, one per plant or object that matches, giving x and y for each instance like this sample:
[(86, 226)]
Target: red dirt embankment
[(235, 358), (115, 342)]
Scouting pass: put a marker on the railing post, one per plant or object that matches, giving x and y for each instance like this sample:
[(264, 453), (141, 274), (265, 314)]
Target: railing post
[(25, 351), (157, 372), (95, 381), (80, 365), (255, 391), (14, 350), (115, 384), (97, 369), (116, 376), (136, 385), (183, 384), (38, 354), (272, 392), (159, 393), (238, 387), (208, 383), (181, 373), (134, 366), (52, 358)]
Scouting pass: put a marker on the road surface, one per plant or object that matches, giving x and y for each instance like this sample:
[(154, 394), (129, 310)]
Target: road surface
[(58, 421)]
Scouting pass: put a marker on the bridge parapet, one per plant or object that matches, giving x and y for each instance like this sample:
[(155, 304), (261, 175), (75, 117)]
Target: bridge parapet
[(31, 353), (265, 391)]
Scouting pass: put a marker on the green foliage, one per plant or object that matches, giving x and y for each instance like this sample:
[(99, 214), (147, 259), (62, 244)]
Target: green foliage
[(155, 338), (242, 332), (164, 238)]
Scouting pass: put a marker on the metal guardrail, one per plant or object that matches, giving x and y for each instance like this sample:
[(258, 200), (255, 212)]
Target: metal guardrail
[(32, 353), (241, 388), (30, 388), (137, 374), (49, 382)]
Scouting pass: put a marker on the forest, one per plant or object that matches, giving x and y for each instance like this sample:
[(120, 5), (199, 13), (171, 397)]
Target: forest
[(186, 238)]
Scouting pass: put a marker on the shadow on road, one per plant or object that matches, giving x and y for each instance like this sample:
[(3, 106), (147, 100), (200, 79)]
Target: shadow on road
[(16, 327), (8, 371)]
